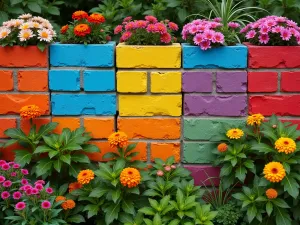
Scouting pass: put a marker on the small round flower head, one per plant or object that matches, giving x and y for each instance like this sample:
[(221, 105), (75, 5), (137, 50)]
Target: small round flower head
[(4, 32), (7, 183), (25, 26), (46, 204), (160, 173), (25, 16), (24, 181), (118, 29), (20, 206), (39, 186), (16, 166), (24, 171), (2, 179), (5, 166), (28, 191), (25, 35), (173, 26), (49, 190), (167, 168), (5, 195), (151, 19), (40, 182), (45, 35), (233, 25), (165, 38), (2, 162), (13, 174), (17, 195), (34, 191)]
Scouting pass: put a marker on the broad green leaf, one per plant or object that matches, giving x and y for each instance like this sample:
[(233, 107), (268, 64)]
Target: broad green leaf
[(16, 133), (261, 147), (57, 165), (92, 210), (34, 7), (226, 170), (251, 213), (15, 10), (14, 2), (130, 147), (154, 204), (66, 158), (175, 222), (111, 213), (53, 154), (249, 164), (128, 207), (120, 164), (42, 149), (76, 219), (3, 17), (182, 14), (80, 158), (45, 129), (9, 143), (53, 10), (22, 157), (240, 173), (44, 166), (90, 148), (291, 186), (280, 203), (115, 195), (73, 170), (157, 219), (240, 196), (282, 218), (110, 155), (269, 208), (147, 211)]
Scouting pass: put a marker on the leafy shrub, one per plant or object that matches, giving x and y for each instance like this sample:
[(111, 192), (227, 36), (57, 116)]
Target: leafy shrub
[(229, 214)]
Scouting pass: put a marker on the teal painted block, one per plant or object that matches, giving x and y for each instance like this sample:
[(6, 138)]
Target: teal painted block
[(64, 80), (197, 152), (227, 57), (80, 55), (99, 80), (205, 129)]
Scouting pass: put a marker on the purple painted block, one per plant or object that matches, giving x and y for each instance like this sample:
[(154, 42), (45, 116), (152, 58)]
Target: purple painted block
[(232, 81), (197, 82), (231, 105), (202, 173)]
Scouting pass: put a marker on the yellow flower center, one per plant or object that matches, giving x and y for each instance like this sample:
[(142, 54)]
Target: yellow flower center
[(26, 35), (44, 35), (4, 33)]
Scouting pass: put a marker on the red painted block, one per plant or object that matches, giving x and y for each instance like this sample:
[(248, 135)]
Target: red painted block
[(290, 81), (262, 81)]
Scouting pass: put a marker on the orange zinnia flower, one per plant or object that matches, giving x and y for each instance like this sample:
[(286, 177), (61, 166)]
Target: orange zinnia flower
[(85, 176), (60, 198), (222, 147), (69, 204), (74, 186), (78, 15), (271, 193), (130, 177), (118, 139), (82, 30), (96, 18), (30, 112), (64, 29)]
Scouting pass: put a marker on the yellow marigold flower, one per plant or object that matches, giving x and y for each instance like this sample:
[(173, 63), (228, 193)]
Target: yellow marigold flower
[(271, 193), (74, 186), (222, 147), (118, 139), (286, 145), (69, 204), (235, 133), (255, 119), (30, 112), (274, 172), (85, 176), (130, 177), (60, 198)]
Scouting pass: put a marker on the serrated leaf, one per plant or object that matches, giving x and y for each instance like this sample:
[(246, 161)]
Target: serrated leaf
[(22, 157), (147, 211), (66, 158), (128, 207), (251, 213), (111, 213)]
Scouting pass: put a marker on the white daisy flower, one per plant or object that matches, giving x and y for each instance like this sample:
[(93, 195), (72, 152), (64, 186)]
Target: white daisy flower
[(8, 23), (4, 32), (47, 25), (25, 16), (37, 19), (17, 23), (36, 25), (45, 35), (25, 35), (25, 26)]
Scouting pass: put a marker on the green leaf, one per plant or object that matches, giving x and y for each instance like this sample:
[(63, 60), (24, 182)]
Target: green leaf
[(90, 148), (76, 219), (240, 196), (291, 186), (249, 164), (53, 10), (57, 165), (175, 222), (226, 170), (14, 2), (110, 155), (16, 133), (280, 203), (120, 164), (111, 213), (80, 158), (151, 193), (269, 208), (282, 218), (261, 147), (43, 166), (130, 147), (9, 143), (34, 7), (157, 219), (147, 211), (182, 14), (286, 167), (92, 210), (52, 154), (22, 157), (45, 129), (115, 195), (3, 17), (128, 207), (43, 149), (15, 10), (73, 170), (98, 192), (66, 158), (240, 173), (251, 213)]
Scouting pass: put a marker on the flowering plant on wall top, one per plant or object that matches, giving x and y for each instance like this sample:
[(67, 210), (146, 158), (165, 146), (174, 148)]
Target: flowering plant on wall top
[(85, 29), (27, 30), (207, 34), (274, 31), (146, 32)]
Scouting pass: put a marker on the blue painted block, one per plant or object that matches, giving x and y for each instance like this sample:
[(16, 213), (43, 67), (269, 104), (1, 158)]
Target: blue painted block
[(227, 57), (92, 55), (99, 80), (83, 104), (64, 80)]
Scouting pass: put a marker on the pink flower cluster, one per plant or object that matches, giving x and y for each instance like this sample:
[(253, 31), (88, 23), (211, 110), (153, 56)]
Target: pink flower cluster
[(167, 169), (205, 33), (271, 29), (150, 25)]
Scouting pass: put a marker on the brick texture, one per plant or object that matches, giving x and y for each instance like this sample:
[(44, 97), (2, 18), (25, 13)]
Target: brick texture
[(33, 80), (262, 82), (290, 81), (100, 128), (7, 82)]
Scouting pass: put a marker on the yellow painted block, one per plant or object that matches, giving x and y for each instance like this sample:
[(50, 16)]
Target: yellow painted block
[(138, 56), (132, 81), (147, 105), (169, 82)]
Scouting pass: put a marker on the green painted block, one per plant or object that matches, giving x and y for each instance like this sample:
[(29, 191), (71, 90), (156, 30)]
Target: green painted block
[(205, 129), (198, 152)]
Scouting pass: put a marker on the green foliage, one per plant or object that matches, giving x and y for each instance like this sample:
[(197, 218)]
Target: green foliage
[(229, 214)]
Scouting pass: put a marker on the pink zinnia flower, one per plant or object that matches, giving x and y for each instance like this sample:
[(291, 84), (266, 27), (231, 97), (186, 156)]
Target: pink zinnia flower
[(159, 173), (280, 19), (28, 191), (16, 166), (271, 23), (198, 39), (193, 29), (165, 38), (197, 22), (2, 179), (218, 38), (7, 183), (201, 28), (5, 195), (264, 38), (39, 186), (233, 25), (49, 190), (215, 25), (20, 206), (151, 28), (130, 26), (291, 23), (277, 29), (167, 168), (13, 174), (24, 171), (251, 34), (141, 24), (209, 34), (151, 19), (40, 182), (264, 30), (126, 35), (34, 191), (24, 181), (204, 45), (160, 28), (118, 29), (293, 31), (217, 19), (255, 25), (285, 34), (46, 204), (5, 166), (2, 162), (17, 195), (127, 19), (173, 26)]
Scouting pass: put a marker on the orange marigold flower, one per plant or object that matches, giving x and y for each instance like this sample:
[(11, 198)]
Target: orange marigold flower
[(222, 147), (82, 30), (60, 198), (64, 29), (78, 15), (130, 177), (30, 112), (274, 172), (118, 139), (74, 186), (96, 18), (69, 204), (271, 193), (286, 145), (85, 176)]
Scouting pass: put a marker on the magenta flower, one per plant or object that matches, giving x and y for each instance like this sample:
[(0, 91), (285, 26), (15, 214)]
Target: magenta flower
[(215, 25), (26, 187), (24, 171), (271, 23), (39, 186), (217, 19), (218, 38), (280, 19), (34, 191), (159, 173), (141, 24), (165, 38), (16, 166), (11, 163), (151, 28), (49, 190), (204, 45), (285, 34), (277, 29), (264, 30), (251, 34), (28, 191), (194, 29), (5, 195), (46, 204), (130, 26), (201, 28), (7, 183), (20, 206), (173, 26), (127, 19), (291, 23), (264, 38), (17, 195), (5, 166), (13, 174), (233, 25), (2, 179), (118, 29), (24, 181), (2, 162), (126, 35), (198, 39), (160, 28), (209, 34), (40, 182), (197, 22), (151, 19)]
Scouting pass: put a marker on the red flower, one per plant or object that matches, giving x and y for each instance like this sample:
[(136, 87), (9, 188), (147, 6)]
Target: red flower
[(82, 30), (79, 15)]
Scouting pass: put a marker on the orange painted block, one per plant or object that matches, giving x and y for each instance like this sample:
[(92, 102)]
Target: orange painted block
[(25, 124), (66, 122), (100, 127), (165, 150), (150, 128), (18, 56), (33, 80), (8, 153), (6, 123), (7, 81), (105, 148), (12, 103)]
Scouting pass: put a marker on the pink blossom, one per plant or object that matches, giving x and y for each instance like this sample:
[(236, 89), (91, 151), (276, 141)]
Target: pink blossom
[(40, 182), (204, 45), (218, 38), (270, 23), (28, 191), (160, 28), (141, 24), (233, 25), (16, 166), (2, 162), (13, 174), (20, 206), (5, 195), (165, 38), (251, 34), (46, 204), (264, 29), (215, 25), (26, 187), (17, 195), (209, 34), (197, 22), (173, 26), (193, 29), (298, 39), (118, 29), (5, 166), (198, 39), (34, 191), (217, 19), (2, 179), (255, 25), (291, 23), (24, 171), (201, 28), (264, 38), (7, 183), (130, 26), (159, 173), (167, 168), (49, 190), (127, 19), (280, 19), (151, 28), (151, 19), (293, 31), (24, 181), (126, 35), (39, 186), (285, 34), (173, 167), (277, 29), (11, 163)]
